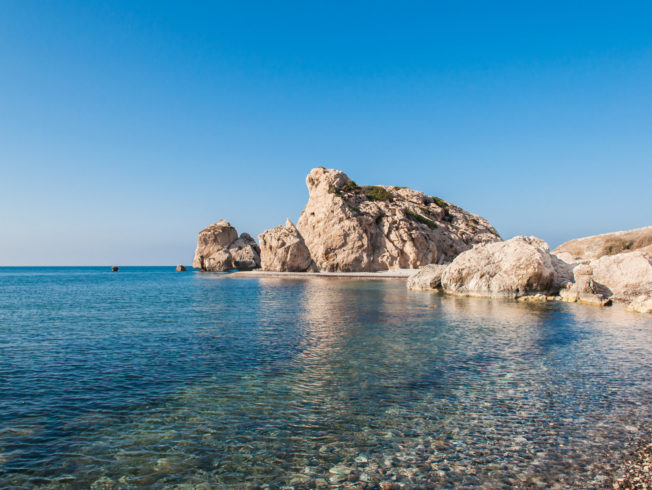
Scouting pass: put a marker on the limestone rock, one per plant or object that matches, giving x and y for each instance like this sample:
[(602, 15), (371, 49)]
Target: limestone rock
[(641, 304), (219, 249), (584, 289), (594, 247), (517, 267), (245, 253), (623, 273), (535, 298), (428, 278), (181, 268), (349, 228), (212, 244), (282, 249), (614, 266)]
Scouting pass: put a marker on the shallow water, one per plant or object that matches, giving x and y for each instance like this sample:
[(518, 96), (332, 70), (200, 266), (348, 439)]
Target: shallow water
[(149, 377)]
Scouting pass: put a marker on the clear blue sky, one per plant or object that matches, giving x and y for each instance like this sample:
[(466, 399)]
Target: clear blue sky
[(127, 127)]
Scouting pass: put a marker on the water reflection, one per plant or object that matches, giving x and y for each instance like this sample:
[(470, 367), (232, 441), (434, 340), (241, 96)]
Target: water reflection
[(224, 381)]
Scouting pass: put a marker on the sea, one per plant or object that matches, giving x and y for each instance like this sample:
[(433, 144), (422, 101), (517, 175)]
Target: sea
[(148, 377)]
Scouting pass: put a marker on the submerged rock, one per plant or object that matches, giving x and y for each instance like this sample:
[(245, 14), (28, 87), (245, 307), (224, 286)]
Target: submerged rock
[(219, 249), (282, 249), (349, 228), (517, 267)]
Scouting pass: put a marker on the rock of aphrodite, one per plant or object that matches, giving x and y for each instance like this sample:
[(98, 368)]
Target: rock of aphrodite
[(349, 228), (517, 267), (219, 249), (282, 249)]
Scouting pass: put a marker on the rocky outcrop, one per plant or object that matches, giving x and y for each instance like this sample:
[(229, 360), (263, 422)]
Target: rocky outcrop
[(245, 253), (181, 268), (353, 228), (427, 279), (583, 289), (219, 249), (282, 249), (594, 247), (623, 273), (517, 267), (524, 268)]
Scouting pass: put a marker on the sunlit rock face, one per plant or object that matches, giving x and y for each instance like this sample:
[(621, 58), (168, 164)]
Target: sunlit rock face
[(594, 247), (350, 228), (219, 249), (618, 264), (524, 268), (427, 279), (516, 267), (283, 250)]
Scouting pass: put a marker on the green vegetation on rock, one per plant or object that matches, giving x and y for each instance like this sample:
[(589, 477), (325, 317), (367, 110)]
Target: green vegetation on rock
[(439, 202), (377, 193), (419, 219)]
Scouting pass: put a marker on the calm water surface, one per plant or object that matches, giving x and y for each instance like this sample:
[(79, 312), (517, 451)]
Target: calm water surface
[(149, 377)]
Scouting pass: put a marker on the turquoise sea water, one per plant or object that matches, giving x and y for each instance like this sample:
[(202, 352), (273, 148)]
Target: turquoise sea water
[(149, 377)]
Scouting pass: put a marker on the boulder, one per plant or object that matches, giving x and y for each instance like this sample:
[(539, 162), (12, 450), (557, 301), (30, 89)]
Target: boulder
[(181, 268), (282, 249), (351, 228), (641, 304), (219, 249), (594, 247), (623, 273), (517, 267), (583, 289), (245, 253), (427, 279), (614, 266)]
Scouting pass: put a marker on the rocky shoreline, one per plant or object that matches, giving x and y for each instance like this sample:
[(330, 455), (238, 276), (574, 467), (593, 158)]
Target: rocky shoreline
[(637, 472), (349, 229)]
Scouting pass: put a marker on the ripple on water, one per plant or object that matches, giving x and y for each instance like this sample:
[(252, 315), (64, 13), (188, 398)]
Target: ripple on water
[(149, 377)]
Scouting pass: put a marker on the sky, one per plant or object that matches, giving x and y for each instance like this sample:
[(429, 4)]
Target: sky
[(127, 127)]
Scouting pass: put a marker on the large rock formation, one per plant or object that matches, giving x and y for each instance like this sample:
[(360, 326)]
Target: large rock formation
[(524, 268), (517, 267), (371, 228), (594, 247), (219, 249), (282, 249)]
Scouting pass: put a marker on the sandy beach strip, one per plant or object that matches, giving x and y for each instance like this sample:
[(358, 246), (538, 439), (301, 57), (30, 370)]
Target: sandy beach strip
[(402, 274)]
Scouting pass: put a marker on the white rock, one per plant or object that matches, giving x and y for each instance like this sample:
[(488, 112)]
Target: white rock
[(517, 267), (428, 278), (282, 249), (641, 304)]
